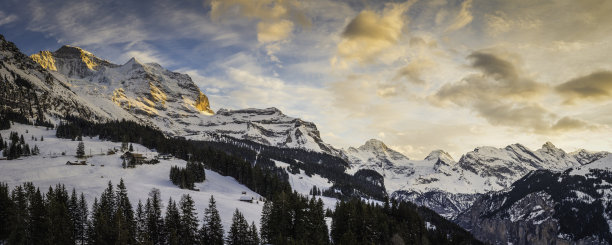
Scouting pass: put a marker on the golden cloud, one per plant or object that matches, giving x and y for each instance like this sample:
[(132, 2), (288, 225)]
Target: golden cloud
[(413, 72), (276, 18), (595, 86), (369, 33), (463, 18)]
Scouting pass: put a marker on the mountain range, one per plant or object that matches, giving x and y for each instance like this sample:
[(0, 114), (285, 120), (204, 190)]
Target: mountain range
[(502, 187)]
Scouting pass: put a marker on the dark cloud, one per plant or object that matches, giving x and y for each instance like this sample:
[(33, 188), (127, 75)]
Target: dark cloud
[(595, 86), (504, 95), (568, 123)]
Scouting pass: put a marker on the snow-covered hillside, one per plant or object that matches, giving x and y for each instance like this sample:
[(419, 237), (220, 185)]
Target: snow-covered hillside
[(49, 168)]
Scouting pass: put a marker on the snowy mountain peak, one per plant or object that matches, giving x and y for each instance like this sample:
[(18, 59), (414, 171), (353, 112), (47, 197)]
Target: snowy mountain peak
[(71, 61), (440, 155), (374, 145), (549, 145)]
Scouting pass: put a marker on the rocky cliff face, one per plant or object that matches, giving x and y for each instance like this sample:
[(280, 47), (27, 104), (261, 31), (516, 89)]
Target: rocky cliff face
[(34, 92), (265, 126), (546, 207)]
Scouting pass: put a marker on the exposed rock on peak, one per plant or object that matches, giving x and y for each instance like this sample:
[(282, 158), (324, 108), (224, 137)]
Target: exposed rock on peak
[(203, 105), (71, 61), (440, 155)]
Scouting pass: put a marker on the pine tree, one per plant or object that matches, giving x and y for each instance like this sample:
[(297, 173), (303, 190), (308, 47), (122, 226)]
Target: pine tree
[(61, 230), (6, 206), (155, 223), (38, 224), (80, 152), (18, 217), (212, 229), (131, 147), (81, 224), (253, 236), (124, 207), (266, 233), (142, 237), (239, 230), (189, 221), (172, 224)]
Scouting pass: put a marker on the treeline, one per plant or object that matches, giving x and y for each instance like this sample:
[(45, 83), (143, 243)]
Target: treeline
[(323, 164), (357, 222), (186, 177), (27, 216), (291, 218), (252, 164), (16, 147), (263, 179)]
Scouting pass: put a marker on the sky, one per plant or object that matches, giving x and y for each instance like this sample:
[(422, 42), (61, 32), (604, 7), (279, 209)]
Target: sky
[(418, 75)]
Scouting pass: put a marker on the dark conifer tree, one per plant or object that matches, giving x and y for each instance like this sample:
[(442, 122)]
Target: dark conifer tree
[(38, 224), (80, 152), (155, 223), (189, 221), (81, 220), (265, 223), (239, 230), (212, 229), (172, 224), (142, 235), (61, 230), (253, 235), (6, 206), (127, 212), (18, 217)]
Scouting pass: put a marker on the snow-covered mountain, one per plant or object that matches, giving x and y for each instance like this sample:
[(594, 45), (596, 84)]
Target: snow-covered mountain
[(148, 92), (72, 81), (449, 187), (265, 126), (548, 207)]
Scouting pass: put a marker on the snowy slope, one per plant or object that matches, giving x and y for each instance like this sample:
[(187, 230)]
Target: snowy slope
[(49, 168), (302, 183)]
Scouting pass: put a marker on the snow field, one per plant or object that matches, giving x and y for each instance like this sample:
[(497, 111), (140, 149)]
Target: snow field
[(49, 168)]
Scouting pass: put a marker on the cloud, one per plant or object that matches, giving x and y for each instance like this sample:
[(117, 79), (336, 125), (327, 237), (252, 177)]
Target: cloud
[(595, 86), (414, 70), (499, 79), (370, 33), (463, 18), (7, 18), (498, 23), (276, 19), (273, 31), (501, 93), (568, 123)]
